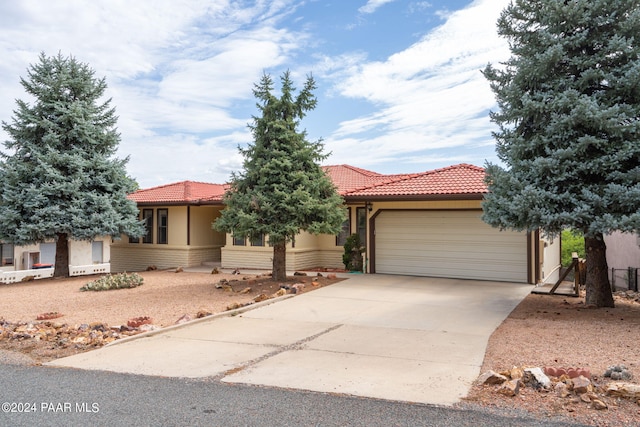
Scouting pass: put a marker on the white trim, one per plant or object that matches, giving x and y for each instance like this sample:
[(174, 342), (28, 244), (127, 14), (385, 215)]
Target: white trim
[(7, 277)]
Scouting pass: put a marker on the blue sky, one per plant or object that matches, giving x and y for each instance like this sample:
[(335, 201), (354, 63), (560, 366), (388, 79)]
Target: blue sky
[(399, 82)]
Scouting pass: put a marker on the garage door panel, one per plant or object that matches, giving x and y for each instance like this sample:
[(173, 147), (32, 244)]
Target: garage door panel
[(448, 244)]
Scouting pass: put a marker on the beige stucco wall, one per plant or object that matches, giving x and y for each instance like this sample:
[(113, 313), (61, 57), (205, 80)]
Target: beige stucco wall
[(309, 251), (139, 257), (261, 258), (201, 231), (177, 232), (191, 241)]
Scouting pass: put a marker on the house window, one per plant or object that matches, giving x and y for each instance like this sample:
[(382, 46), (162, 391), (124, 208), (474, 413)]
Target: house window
[(163, 225), (258, 240), (47, 253), (133, 239), (341, 238), (361, 224), (147, 216), (239, 241), (6, 253), (96, 252)]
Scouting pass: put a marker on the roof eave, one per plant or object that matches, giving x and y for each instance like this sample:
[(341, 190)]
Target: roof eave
[(415, 197), (182, 203)]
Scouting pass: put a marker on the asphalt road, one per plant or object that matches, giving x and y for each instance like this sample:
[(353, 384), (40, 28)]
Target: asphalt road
[(32, 395)]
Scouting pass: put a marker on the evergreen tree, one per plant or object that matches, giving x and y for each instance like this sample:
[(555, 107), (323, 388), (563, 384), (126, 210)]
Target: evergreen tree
[(282, 189), (569, 124), (59, 179)]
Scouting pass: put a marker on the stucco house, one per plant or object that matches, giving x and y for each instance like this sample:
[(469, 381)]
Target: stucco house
[(178, 221), (37, 260), (425, 224)]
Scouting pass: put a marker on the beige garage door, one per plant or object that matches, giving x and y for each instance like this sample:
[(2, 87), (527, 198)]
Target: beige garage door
[(454, 244)]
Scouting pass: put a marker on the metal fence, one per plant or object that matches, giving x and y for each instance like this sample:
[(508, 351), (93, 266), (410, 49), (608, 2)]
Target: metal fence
[(626, 278)]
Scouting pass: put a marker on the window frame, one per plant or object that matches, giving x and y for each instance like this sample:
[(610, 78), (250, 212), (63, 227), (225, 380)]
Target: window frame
[(7, 252), (258, 241), (239, 240), (361, 224), (147, 217), (162, 237)]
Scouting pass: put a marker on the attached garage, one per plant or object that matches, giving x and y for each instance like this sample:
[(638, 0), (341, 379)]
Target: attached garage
[(446, 243)]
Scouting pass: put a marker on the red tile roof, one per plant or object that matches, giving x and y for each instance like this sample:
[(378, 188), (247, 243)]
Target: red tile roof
[(185, 192), (453, 180), (348, 178), (352, 182)]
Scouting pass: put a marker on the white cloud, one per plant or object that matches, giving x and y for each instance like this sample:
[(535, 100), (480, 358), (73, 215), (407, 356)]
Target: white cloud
[(431, 95), (209, 160), (177, 71), (180, 73), (373, 5)]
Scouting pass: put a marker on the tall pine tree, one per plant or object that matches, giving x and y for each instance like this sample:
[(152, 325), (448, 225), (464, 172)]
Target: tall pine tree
[(282, 189), (59, 179), (569, 124)]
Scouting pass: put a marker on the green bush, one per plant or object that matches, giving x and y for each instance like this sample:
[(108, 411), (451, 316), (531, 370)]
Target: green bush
[(352, 257), (115, 281), (572, 241)]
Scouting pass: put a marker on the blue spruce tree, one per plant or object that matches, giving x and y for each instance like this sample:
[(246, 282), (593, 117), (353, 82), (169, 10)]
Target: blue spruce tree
[(569, 124), (59, 179)]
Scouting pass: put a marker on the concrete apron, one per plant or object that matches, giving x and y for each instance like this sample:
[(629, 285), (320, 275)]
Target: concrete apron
[(400, 338)]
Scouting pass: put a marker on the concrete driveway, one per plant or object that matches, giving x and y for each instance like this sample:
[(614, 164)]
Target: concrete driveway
[(401, 338)]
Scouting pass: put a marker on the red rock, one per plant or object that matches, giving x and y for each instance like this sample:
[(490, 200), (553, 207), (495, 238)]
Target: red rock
[(48, 316), (137, 321)]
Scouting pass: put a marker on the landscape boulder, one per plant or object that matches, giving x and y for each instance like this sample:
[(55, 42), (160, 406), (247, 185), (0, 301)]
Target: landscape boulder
[(492, 378), (536, 378), (581, 385), (624, 389), (510, 388)]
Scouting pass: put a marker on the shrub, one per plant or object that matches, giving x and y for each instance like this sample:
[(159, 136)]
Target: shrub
[(115, 281), (352, 257)]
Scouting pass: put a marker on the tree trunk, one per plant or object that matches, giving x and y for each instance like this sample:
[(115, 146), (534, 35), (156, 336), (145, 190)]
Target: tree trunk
[(279, 261), (62, 256), (597, 284)]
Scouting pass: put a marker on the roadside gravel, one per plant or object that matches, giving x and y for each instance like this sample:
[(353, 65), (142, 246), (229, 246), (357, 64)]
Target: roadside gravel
[(562, 332)]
